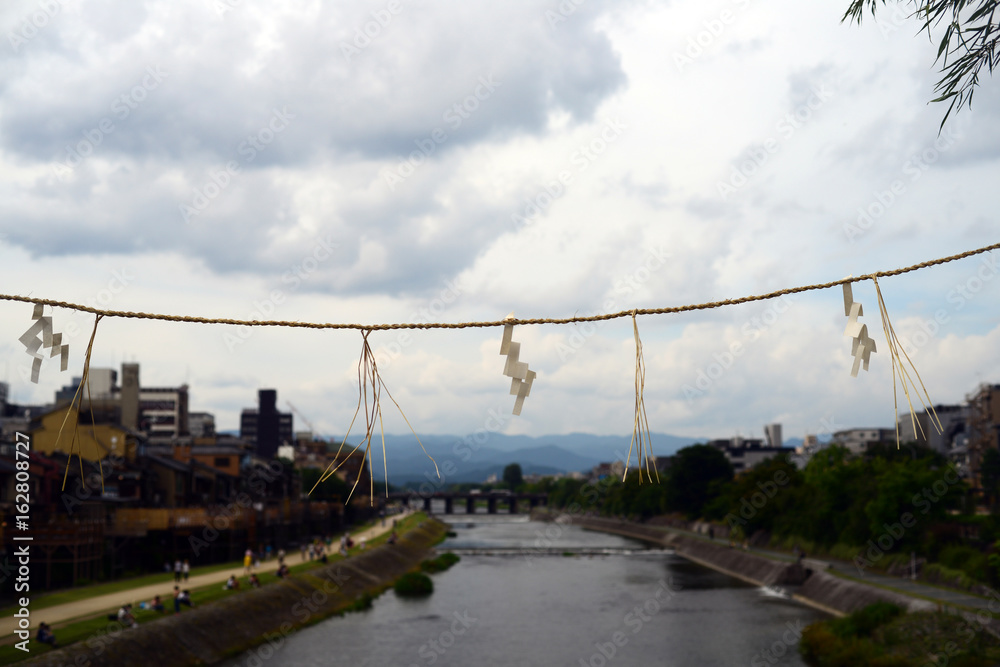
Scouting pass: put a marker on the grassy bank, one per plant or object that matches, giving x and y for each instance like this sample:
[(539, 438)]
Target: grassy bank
[(76, 631), (882, 635)]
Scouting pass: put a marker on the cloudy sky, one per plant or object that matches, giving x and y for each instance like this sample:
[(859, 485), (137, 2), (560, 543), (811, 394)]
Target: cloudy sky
[(403, 161)]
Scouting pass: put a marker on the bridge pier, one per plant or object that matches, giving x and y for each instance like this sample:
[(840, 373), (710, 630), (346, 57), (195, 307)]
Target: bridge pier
[(491, 505), (513, 504), (470, 505), (427, 504), (449, 505)]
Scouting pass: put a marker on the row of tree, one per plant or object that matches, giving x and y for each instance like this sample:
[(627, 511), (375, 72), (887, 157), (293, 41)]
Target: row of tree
[(836, 498)]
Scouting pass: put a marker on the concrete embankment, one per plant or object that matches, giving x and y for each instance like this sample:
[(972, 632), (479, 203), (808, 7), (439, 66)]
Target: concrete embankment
[(264, 616), (811, 585)]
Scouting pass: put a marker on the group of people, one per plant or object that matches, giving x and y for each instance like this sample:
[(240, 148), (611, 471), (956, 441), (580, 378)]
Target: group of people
[(182, 569), (45, 635)]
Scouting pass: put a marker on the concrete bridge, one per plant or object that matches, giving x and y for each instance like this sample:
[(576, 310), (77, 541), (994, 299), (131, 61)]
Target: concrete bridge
[(513, 501)]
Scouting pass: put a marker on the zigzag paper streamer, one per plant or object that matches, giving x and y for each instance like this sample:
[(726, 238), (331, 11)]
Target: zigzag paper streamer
[(862, 345), (520, 385), (40, 335)]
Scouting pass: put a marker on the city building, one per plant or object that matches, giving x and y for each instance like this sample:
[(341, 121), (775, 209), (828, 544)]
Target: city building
[(201, 424), (858, 440), (160, 412), (745, 453), (984, 425), (264, 427), (923, 429), (772, 435), (90, 438)]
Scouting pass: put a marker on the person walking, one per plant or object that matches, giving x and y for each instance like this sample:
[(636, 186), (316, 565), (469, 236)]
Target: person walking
[(177, 570), (186, 569)]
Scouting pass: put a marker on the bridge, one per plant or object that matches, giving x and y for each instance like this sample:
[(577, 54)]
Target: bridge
[(514, 501)]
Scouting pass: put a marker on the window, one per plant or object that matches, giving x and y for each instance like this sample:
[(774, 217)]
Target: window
[(221, 462)]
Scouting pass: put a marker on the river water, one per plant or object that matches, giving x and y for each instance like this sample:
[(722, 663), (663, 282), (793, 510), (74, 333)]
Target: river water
[(519, 598)]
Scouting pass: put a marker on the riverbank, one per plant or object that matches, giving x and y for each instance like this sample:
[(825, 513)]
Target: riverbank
[(811, 584), (262, 617)]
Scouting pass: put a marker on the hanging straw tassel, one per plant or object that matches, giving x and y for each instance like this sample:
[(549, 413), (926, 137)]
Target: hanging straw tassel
[(904, 376), (369, 380), (78, 401), (640, 424)]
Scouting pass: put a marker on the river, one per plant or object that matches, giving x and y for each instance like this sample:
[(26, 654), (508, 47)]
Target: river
[(530, 593)]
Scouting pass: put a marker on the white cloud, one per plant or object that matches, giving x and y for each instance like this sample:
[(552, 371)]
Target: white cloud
[(579, 150)]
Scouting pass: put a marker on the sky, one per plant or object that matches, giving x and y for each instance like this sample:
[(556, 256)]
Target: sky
[(408, 161)]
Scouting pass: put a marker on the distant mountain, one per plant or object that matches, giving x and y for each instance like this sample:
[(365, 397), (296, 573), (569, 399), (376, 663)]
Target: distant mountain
[(473, 458)]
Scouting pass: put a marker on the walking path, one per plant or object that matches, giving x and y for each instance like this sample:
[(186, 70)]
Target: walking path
[(846, 569), (90, 607)]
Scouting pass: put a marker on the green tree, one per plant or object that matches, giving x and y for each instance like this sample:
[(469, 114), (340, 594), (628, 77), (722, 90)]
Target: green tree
[(760, 498), (970, 41), (332, 488), (512, 476), (989, 475), (911, 494), (691, 477)]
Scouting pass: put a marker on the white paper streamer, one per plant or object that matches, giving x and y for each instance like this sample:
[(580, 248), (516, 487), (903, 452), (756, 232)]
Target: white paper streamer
[(39, 336), (520, 385), (862, 345)]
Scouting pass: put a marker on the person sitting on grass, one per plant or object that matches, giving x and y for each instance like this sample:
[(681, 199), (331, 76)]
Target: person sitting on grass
[(157, 604), (283, 571), (254, 581), (232, 584), (126, 618), (185, 598), (45, 635)]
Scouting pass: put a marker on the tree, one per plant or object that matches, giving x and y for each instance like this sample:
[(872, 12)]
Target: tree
[(692, 473), (512, 476), (971, 40), (989, 475)]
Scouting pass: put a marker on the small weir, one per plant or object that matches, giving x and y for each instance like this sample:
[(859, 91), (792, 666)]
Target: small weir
[(558, 551)]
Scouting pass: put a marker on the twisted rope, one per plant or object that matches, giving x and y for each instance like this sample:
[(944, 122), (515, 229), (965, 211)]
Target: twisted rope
[(495, 323)]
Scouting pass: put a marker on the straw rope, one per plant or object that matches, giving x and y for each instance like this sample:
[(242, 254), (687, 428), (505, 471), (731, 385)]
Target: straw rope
[(496, 323)]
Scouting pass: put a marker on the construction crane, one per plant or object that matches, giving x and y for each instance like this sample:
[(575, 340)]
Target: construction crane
[(298, 413)]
